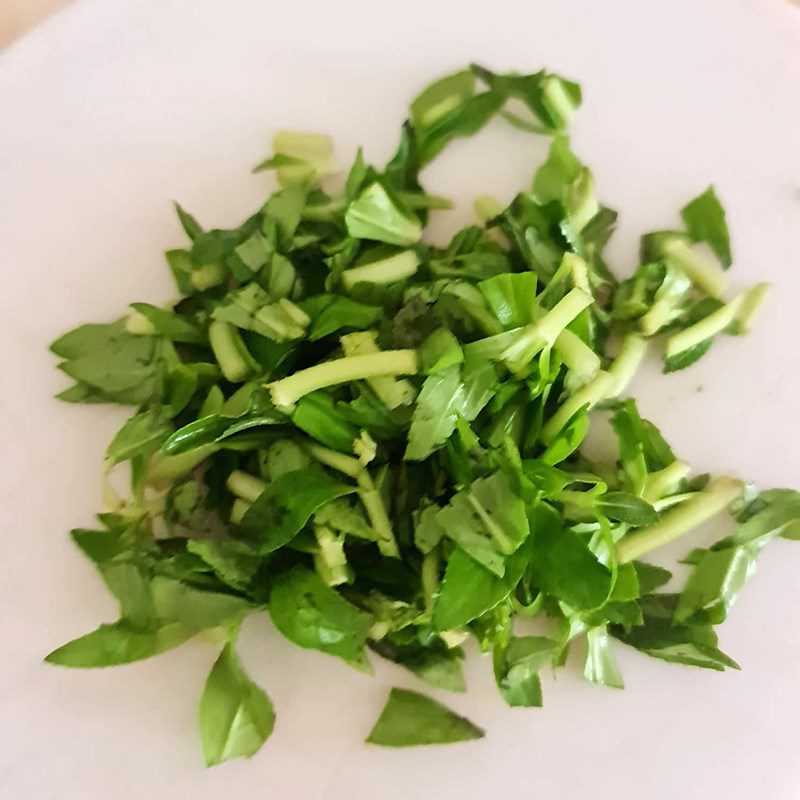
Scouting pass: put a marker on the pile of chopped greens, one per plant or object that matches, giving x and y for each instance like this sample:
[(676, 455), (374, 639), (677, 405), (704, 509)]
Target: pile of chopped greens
[(377, 441)]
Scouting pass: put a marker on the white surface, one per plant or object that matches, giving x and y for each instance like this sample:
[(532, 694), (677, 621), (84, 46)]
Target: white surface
[(112, 109)]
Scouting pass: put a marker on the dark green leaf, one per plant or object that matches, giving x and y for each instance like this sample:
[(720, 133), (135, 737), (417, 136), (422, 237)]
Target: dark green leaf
[(234, 562), (285, 506), (705, 221), (410, 719), (692, 644), (562, 565), (468, 589), (177, 612), (311, 614), (319, 418)]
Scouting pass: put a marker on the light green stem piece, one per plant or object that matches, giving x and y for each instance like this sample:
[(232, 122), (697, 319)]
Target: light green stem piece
[(164, 469), (704, 274), (714, 323), (753, 299), (287, 391), (239, 508), (367, 491), (624, 366), (232, 356), (589, 395), (577, 355), (664, 482), (388, 270), (330, 559), (392, 391), (543, 333), (245, 486), (719, 493)]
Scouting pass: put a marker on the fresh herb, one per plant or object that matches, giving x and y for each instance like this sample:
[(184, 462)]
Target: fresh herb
[(378, 441)]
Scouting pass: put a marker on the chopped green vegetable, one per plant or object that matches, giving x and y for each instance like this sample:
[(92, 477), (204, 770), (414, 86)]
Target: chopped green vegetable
[(379, 441)]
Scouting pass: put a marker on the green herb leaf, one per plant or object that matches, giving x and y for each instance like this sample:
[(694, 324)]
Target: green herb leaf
[(469, 589), (563, 566), (236, 716), (487, 520), (311, 614), (411, 719), (705, 221), (281, 511)]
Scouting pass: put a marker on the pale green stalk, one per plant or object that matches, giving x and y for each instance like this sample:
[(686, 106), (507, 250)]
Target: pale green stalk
[(164, 470), (589, 395), (664, 482), (232, 356), (392, 391), (714, 323), (577, 355), (703, 273), (753, 299), (719, 493), (287, 391), (245, 486), (624, 366), (388, 270), (368, 493)]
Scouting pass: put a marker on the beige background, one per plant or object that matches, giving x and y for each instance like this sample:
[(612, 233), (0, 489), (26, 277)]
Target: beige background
[(17, 16)]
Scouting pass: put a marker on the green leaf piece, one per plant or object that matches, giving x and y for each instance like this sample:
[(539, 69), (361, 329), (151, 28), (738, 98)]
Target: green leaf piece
[(410, 719), (236, 716)]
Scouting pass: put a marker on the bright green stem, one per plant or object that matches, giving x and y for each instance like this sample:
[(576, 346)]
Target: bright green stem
[(578, 269), (703, 273), (624, 366), (388, 270), (589, 395), (431, 564), (232, 356), (390, 390), (289, 390), (680, 520), (664, 482), (245, 486), (367, 492), (577, 355), (164, 469), (561, 105), (379, 519), (583, 204), (431, 202), (709, 326), (533, 338), (338, 461), (661, 313)]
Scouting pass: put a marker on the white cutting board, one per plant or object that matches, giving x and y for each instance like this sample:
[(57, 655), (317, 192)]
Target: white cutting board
[(112, 109)]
